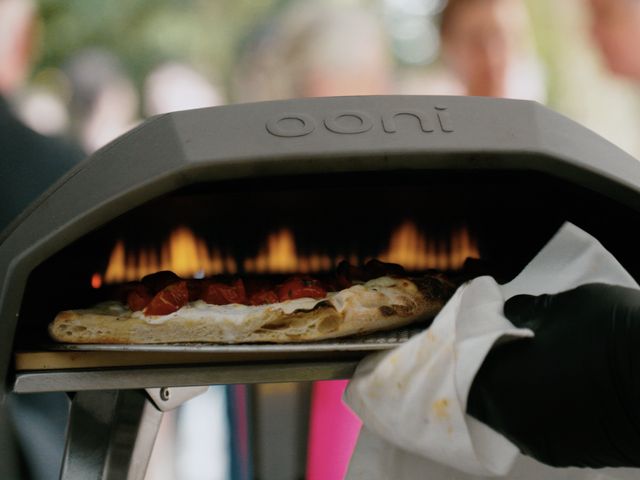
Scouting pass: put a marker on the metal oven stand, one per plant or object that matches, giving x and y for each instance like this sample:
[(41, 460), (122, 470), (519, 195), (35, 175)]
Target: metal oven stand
[(111, 433)]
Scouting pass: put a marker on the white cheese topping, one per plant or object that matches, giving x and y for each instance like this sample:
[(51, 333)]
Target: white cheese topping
[(233, 312), (366, 295)]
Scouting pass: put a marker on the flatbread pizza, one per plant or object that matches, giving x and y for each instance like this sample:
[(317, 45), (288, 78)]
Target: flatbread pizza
[(164, 308)]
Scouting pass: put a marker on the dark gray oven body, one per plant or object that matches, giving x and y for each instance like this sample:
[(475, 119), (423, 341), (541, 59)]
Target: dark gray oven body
[(301, 137)]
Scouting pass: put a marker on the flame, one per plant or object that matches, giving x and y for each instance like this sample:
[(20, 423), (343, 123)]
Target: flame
[(96, 280), (189, 256), (414, 251)]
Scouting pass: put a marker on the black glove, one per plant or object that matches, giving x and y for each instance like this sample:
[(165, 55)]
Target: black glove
[(571, 395)]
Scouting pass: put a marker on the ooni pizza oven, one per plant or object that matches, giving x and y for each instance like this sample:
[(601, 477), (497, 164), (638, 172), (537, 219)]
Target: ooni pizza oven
[(282, 187), (295, 186)]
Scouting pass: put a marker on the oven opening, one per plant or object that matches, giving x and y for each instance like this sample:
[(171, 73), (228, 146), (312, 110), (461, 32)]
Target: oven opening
[(459, 223)]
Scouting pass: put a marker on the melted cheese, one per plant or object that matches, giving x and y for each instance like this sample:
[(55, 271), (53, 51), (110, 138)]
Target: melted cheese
[(233, 312)]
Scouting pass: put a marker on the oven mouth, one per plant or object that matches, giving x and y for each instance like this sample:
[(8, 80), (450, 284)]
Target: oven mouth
[(464, 224)]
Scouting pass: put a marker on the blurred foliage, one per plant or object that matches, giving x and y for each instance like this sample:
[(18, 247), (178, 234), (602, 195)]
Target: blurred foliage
[(548, 36), (143, 33)]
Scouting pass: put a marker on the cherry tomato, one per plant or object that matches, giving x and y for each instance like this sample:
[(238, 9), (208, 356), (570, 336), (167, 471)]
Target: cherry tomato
[(241, 291), (375, 269), (156, 282), (221, 294), (301, 287), (169, 299), (346, 274), (262, 297), (195, 288), (139, 297)]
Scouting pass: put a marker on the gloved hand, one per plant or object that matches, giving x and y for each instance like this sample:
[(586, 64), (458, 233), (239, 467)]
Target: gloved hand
[(570, 396)]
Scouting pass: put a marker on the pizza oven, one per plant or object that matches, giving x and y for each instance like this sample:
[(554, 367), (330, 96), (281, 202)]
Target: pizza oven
[(466, 186)]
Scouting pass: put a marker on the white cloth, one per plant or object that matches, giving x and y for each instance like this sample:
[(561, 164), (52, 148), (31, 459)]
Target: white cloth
[(412, 400)]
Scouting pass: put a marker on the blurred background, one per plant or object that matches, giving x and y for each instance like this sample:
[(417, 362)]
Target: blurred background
[(101, 67), (97, 69)]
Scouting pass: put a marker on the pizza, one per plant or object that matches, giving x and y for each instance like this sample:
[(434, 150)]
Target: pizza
[(164, 308)]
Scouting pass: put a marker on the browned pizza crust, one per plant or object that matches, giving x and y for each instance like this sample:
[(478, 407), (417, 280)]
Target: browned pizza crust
[(379, 304)]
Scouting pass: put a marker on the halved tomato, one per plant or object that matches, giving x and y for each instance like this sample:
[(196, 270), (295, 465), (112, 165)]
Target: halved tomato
[(169, 299)]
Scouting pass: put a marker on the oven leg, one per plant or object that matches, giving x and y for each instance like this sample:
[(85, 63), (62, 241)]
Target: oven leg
[(111, 433)]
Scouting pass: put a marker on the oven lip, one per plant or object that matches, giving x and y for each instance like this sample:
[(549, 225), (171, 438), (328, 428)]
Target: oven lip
[(56, 368), (349, 134)]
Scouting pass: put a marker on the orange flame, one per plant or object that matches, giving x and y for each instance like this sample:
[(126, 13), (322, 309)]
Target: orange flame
[(414, 251), (189, 256), (96, 280)]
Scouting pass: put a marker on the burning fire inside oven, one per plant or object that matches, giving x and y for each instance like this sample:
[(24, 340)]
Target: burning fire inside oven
[(189, 255)]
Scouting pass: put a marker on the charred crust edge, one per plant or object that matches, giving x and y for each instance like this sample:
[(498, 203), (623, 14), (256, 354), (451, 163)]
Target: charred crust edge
[(387, 310), (435, 288)]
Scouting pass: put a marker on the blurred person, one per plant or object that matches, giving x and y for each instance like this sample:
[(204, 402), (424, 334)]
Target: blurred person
[(104, 101), (32, 426), (616, 31), (488, 46), (174, 86), (24, 152), (43, 111), (318, 49)]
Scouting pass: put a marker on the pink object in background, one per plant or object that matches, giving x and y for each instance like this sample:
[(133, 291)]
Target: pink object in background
[(333, 431)]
